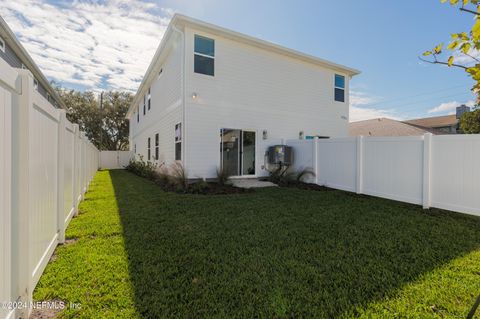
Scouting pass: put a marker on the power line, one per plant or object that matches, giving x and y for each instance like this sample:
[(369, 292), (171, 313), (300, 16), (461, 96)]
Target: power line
[(412, 96)]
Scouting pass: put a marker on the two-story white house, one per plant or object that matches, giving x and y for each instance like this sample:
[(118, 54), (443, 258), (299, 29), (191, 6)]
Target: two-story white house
[(214, 98)]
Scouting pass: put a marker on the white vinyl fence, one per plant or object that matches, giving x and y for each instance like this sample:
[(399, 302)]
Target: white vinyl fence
[(440, 171), (46, 165), (115, 159)]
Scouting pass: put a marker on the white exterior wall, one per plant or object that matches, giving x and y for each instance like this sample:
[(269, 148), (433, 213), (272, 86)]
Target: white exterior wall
[(255, 89), (166, 110)]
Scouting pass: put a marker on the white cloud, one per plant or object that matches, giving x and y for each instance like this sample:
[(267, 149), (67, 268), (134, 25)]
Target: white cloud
[(449, 107), (360, 111), (106, 44)]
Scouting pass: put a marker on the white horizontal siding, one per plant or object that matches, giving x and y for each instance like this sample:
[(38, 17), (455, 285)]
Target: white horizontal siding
[(166, 110), (257, 90)]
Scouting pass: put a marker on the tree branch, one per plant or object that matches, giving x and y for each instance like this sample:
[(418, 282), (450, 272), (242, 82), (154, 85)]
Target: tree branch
[(443, 63)]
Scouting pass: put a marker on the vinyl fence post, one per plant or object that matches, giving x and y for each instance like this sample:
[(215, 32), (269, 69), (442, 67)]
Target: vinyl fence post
[(60, 177), (315, 159), (360, 150), (20, 194), (427, 150)]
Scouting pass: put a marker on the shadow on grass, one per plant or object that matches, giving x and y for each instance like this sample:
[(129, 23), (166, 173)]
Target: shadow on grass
[(277, 252)]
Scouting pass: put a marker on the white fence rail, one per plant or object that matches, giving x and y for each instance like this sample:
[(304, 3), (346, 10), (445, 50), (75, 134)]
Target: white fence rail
[(115, 159), (434, 171), (46, 164)]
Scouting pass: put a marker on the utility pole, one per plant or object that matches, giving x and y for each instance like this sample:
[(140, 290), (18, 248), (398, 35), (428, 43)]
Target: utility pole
[(101, 119)]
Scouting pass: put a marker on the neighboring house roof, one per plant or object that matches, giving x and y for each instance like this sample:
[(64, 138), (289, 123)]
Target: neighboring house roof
[(387, 127), (9, 37), (437, 121), (180, 21)]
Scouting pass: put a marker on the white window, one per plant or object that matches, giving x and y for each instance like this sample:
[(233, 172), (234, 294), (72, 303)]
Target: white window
[(178, 142), (35, 84), (148, 149), (160, 73), (2, 45), (48, 97), (204, 57), (149, 99), (24, 66), (339, 88), (144, 105)]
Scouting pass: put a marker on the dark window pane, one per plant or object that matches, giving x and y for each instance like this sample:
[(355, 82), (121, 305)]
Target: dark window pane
[(204, 45), (156, 153), (178, 151), (204, 65), (339, 81), (339, 95)]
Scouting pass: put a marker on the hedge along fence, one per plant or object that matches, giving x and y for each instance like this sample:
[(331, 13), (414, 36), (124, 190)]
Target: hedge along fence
[(432, 170), (46, 164)]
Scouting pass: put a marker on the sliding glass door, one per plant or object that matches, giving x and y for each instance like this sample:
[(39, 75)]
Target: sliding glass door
[(237, 152)]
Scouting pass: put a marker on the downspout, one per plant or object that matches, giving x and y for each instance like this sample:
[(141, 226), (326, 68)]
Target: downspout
[(184, 108)]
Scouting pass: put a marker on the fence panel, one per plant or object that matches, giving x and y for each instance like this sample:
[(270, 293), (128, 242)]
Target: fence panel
[(337, 163), (393, 168), (5, 199), (69, 177), (303, 156), (115, 159), (43, 170), (455, 173)]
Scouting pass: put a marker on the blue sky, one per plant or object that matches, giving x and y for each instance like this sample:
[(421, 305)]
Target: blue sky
[(381, 38)]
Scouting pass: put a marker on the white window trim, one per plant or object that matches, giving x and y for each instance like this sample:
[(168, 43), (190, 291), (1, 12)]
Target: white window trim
[(2, 45)]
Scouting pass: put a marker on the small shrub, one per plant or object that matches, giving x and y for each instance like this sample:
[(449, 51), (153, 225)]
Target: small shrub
[(200, 187), (142, 168), (162, 177), (279, 175), (299, 177), (222, 176), (178, 177)]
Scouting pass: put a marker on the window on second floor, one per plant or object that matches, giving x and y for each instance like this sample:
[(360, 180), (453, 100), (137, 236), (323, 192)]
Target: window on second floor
[(138, 115), (204, 57), (339, 88), (149, 100), (35, 84), (144, 105), (2, 45)]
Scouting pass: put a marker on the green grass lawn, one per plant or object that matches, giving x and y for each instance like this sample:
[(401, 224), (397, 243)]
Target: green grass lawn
[(274, 253)]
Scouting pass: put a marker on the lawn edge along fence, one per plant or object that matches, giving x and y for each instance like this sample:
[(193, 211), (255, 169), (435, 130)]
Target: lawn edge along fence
[(46, 165), (439, 171)]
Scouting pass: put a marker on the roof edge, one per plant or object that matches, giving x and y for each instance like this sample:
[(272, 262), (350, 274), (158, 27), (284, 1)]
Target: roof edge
[(19, 49)]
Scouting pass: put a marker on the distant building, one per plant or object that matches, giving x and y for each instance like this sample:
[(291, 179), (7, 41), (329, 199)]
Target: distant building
[(387, 127), (438, 125), (448, 124)]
